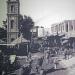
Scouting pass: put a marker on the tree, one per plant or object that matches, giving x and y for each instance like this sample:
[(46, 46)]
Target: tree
[(25, 24), (3, 31), (3, 34), (5, 24)]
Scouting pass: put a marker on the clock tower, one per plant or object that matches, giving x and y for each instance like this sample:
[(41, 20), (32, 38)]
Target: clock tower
[(12, 20)]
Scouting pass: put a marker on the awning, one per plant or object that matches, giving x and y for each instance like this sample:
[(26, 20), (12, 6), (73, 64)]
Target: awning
[(65, 42), (20, 40)]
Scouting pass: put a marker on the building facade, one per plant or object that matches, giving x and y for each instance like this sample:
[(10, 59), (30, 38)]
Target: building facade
[(12, 20), (66, 28), (38, 31)]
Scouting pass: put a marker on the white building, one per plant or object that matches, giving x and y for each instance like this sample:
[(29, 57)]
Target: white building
[(38, 31)]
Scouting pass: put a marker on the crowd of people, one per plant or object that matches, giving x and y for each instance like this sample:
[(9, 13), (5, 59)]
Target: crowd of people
[(6, 67)]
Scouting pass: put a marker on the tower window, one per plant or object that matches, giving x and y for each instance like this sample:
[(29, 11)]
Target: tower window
[(12, 23), (12, 8), (12, 39)]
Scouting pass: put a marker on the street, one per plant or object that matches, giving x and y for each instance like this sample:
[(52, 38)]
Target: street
[(71, 71), (42, 64), (65, 67), (58, 72), (68, 68)]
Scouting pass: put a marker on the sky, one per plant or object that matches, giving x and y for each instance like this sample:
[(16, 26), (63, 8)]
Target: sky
[(43, 12)]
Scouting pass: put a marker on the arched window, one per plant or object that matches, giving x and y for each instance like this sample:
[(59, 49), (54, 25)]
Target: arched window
[(12, 39), (12, 8), (12, 23)]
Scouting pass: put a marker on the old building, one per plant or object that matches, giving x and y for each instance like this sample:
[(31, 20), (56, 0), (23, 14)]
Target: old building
[(12, 20), (66, 28), (38, 31)]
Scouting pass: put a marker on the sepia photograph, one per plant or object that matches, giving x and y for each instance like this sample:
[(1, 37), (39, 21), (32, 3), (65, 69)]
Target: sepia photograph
[(37, 37)]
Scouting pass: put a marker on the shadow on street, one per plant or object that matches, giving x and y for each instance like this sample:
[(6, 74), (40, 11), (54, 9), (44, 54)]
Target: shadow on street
[(53, 70)]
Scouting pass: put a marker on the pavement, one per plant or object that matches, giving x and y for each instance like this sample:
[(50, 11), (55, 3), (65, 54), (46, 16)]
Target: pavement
[(67, 67), (36, 55), (70, 65), (64, 63), (67, 63)]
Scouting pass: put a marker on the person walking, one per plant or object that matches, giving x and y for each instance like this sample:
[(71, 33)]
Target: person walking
[(56, 62)]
